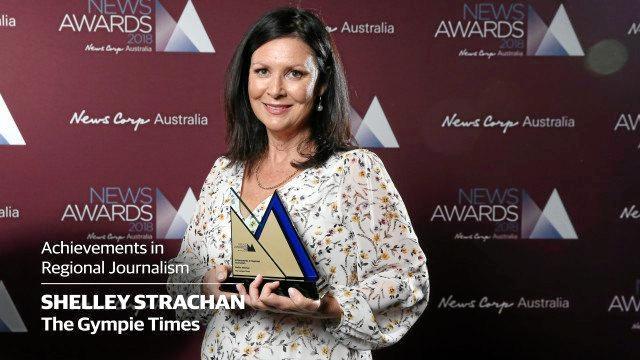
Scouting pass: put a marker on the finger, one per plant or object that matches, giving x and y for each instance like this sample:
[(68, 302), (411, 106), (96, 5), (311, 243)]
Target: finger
[(273, 300), (221, 272), (279, 303), (268, 289), (215, 284), (243, 294), (241, 289), (209, 276), (301, 302), (254, 292)]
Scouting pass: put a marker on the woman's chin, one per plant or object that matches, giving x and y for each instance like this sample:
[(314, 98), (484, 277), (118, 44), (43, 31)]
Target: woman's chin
[(279, 126)]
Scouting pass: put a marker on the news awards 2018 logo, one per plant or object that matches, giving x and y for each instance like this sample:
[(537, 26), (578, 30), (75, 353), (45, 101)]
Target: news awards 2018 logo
[(133, 18), (373, 131), (627, 305), (512, 29), (9, 133), (133, 206), (186, 35), (172, 223), (628, 124), (10, 320), (509, 213)]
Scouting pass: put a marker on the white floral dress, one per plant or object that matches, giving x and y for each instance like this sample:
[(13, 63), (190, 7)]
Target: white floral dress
[(357, 231)]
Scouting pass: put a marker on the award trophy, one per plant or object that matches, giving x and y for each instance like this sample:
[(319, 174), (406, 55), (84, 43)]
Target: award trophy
[(273, 250)]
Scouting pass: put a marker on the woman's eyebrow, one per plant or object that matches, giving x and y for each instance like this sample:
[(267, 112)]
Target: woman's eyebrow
[(301, 65)]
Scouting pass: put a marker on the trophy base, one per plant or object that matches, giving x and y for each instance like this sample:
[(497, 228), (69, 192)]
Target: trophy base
[(308, 289)]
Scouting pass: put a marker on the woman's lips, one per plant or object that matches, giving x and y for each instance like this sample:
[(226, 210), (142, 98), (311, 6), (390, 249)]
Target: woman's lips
[(277, 109)]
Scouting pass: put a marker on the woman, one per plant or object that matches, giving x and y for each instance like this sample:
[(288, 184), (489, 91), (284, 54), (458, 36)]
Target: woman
[(287, 115)]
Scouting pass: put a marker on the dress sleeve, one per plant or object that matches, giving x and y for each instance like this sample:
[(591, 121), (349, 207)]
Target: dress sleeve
[(392, 285), (194, 250)]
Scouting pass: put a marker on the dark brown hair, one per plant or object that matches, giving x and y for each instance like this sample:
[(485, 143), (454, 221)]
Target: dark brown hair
[(330, 130)]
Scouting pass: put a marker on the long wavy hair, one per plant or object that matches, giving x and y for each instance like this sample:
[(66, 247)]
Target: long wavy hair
[(330, 130)]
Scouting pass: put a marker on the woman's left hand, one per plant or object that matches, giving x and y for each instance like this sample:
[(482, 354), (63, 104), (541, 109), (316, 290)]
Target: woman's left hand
[(295, 303)]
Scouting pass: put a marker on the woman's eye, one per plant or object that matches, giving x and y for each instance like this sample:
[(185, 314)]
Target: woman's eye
[(296, 74), (261, 72)]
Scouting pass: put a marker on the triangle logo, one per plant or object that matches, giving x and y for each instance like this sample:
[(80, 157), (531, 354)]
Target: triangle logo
[(373, 131), (185, 35), (10, 320), (171, 223), (557, 39), (9, 133), (550, 223)]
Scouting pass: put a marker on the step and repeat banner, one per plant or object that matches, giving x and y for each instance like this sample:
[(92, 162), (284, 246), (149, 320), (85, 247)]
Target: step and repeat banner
[(511, 130)]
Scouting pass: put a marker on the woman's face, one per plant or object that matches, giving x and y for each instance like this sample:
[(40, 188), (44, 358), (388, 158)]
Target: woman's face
[(282, 79)]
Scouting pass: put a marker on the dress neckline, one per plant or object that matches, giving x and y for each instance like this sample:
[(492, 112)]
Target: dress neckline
[(239, 182)]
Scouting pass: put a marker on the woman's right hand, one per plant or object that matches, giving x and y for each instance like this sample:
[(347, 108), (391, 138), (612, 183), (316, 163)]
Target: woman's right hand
[(213, 278)]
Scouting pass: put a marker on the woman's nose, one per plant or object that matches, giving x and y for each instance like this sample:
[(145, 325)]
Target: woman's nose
[(276, 88)]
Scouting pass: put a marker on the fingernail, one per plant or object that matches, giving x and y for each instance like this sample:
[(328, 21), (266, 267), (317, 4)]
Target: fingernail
[(220, 276), (291, 292)]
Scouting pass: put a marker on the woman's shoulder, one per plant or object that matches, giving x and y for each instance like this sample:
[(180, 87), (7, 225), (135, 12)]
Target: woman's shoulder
[(357, 164), (220, 167), (221, 163), (360, 158)]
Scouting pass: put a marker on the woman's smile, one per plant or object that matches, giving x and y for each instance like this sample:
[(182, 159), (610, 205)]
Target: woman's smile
[(277, 109)]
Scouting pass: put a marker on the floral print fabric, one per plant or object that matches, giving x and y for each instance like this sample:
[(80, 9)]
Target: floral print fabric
[(358, 233)]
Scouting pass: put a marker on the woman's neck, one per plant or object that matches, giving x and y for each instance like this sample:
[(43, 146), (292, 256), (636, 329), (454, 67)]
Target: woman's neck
[(284, 148)]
